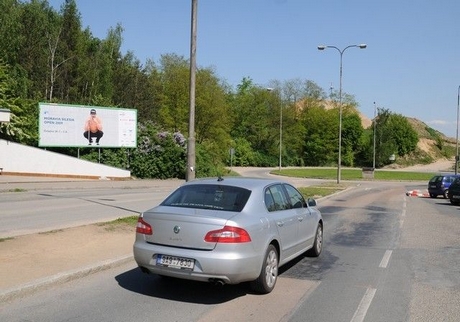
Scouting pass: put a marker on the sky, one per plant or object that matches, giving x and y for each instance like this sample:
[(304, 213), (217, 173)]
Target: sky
[(410, 66)]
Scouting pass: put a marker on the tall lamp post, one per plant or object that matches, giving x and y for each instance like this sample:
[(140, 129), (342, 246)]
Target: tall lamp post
[(375, 120), (456, 154), (281, 130), (322, 47)]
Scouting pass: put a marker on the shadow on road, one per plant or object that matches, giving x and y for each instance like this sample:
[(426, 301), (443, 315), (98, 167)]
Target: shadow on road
[(180, 290)]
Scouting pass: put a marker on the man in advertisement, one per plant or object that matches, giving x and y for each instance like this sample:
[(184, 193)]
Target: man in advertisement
[(93, 128)]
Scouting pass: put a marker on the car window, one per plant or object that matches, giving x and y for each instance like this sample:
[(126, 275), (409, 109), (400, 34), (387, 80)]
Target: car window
[(296, 199), (205, 196), (451, 179), (435, 179), (275, 198)]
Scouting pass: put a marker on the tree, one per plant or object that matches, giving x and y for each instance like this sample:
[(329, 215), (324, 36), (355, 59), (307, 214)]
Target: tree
[(320, 139), (37, 20), (66, 51), (352, 132), (174, 112), (212, 112), (255, 112), (394, 135), (10, 31), (22, 127)]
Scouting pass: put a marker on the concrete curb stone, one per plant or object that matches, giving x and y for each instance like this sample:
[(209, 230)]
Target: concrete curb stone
[(60, 278)]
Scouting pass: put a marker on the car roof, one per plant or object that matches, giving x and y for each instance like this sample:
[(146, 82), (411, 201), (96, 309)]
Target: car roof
[(244, 182), (446, 175)]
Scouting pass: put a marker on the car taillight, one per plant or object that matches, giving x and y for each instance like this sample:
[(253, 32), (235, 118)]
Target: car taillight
[(143, 228), (228, 234)]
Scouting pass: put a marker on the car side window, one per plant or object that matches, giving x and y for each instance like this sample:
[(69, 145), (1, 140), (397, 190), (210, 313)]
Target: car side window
[(295, 198), (275, 199)]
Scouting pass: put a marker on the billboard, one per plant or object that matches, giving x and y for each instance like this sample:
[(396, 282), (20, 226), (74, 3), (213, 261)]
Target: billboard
[(62, 125)]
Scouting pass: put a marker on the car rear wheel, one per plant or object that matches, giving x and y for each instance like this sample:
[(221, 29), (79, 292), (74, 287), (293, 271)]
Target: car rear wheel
[(318, 244), (266, 281), (446, 194)]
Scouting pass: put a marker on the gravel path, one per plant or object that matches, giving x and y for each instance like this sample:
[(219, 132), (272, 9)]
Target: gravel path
[(438, 166)]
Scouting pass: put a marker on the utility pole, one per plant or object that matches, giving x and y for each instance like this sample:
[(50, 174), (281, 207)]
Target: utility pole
[(191, 156)]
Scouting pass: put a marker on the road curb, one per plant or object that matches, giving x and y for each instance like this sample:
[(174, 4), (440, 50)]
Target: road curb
[(41, 284)]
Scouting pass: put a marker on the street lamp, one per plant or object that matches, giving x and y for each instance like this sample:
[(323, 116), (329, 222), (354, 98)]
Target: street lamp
[(375, 120), (456, 154), (322, 47)]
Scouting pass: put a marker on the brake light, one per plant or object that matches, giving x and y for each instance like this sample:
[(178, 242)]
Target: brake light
[(228, 234), (143, 228)]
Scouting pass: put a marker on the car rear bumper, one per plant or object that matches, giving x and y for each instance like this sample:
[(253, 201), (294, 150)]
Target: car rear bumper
[(229, 267), (436, 191)]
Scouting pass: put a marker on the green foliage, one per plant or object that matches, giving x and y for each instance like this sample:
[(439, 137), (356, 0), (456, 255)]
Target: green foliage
[(432, 132), (320, 139), (23, 113), (352, 132), (244, 154), (394, 135), (159, 154), (47, 56)]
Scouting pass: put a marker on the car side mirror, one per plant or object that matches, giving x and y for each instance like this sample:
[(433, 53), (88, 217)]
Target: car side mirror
[(311, 202)]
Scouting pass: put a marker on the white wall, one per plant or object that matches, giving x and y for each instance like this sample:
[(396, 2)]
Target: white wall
[(17, 159)]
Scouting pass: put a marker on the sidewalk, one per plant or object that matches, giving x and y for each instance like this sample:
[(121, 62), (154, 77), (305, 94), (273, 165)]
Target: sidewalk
[(33, 262)]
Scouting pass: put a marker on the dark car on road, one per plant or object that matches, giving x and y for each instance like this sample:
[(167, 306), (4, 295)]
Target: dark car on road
[(454, 192), (439, 185)]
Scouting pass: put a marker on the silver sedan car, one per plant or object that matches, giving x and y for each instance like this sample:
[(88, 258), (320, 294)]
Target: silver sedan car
[(228, 231)]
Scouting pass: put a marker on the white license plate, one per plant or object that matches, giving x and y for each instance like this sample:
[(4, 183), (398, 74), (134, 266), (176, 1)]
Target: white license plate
[(175, 262)]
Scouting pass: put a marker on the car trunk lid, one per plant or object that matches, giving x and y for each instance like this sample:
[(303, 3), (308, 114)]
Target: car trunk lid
[(184, 228)]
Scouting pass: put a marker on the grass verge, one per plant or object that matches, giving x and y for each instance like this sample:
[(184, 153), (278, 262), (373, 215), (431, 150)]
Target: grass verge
[(128, 221), (322, 190), (354, 174)]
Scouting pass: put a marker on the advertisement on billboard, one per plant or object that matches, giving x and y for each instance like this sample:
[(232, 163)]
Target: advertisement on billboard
[(62, 125)]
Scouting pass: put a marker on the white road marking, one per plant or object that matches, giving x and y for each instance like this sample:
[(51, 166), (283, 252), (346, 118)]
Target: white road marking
[(403, 213), (363, 306), (385, 259), (404, 207)]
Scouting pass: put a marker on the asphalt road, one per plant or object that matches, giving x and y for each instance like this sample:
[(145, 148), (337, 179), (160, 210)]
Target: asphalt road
[(32, 205), (387, 257)]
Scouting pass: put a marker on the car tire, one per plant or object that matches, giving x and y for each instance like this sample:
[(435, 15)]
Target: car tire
[(317, 248), (446, 194), (432, 195), (266, 281)]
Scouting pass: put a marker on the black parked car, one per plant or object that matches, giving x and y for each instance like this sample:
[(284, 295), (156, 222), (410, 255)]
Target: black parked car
[(454, 192), (440, 184)]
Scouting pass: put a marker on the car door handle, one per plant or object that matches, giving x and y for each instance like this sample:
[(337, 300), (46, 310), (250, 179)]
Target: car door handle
[(280, 223), (300, 218)]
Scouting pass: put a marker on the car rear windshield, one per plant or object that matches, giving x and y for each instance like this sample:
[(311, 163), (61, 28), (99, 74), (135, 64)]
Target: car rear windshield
[(217, 197), (436, 179)]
